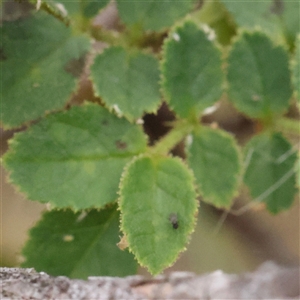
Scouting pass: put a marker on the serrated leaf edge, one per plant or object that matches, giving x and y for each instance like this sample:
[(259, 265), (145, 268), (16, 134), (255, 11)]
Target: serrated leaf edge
[(114, 109), (125, 170), (274, 45), (238, 176), (180, 24), (25, 193)]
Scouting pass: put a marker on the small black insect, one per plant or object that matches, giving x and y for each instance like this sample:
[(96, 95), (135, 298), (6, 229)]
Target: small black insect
[(174, 220)]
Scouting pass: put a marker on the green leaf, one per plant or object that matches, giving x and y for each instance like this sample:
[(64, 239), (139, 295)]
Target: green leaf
[(214, 158), (87, 8), (153, 14), (290, 20), (258, 76), (296, 69), (78, 245), (191, 70), (278, 19), (270, 173), (263, 14), (158, 206), (127, 82), (74, 158), (40, 63)]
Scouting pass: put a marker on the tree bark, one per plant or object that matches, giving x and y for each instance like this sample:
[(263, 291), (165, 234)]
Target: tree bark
[(269, 281)]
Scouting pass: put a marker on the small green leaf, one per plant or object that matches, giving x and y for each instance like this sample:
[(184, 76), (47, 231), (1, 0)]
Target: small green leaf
[(258, 76), (74, 158), (270, 173), (88, 8), (127, 82), (158, 206), (191, 70), (40, 63), (263, 14), (153, 14), (214, 158), (78, 245), (296, 69), (290, 20)]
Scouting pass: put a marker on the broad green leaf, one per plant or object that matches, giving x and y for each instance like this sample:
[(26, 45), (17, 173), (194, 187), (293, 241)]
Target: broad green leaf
[(270, 174), (78, 245), (214, 158), (40, 63), (258, 76), (296, 69), (74, 158), (153, 14), (279, 19), (191, 70), (87, 8), (263, 14), (158, 206), (127, 82), (290, 20)]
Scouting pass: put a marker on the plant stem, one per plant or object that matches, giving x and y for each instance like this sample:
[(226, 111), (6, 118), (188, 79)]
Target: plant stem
[(106, 36), (181, 129)]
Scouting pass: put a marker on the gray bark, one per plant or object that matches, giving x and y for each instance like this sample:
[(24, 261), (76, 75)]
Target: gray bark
[(269, 281)]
